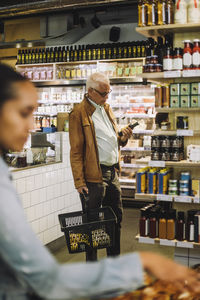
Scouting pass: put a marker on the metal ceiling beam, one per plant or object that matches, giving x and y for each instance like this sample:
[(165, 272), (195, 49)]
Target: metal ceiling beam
[(45, 6)]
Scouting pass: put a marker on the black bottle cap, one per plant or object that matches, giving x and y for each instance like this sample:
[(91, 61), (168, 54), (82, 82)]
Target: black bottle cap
[(181, 215)]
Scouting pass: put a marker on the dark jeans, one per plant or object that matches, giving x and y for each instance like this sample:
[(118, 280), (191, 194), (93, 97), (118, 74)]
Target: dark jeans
[(107, 193)]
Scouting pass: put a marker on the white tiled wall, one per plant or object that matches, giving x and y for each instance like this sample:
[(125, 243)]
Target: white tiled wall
[(46, 192)]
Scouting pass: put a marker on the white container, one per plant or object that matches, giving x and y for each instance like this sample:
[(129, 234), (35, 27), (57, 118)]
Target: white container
[(180, 15), (193, 12)]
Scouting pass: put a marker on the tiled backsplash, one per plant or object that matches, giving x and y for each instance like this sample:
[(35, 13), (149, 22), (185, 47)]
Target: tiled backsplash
[(46, 192)]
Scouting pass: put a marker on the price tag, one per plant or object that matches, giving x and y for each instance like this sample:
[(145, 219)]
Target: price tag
[(191, 73), (185, 245), (182, 132), (164, 197), (196, 200), (171, 74), (146, 240), (167, 243), (157, 163), (184, 199)]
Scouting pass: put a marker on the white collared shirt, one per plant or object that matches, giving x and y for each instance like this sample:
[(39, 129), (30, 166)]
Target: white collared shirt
[(106, 137)]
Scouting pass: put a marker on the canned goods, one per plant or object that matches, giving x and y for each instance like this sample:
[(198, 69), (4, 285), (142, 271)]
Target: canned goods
[(184, 184), (173, 183), (173, 191), (152, 181), (184, 192), (141, 180), (185, 176)]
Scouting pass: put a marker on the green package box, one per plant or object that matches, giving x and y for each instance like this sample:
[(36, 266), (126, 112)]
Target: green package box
[(194, 88), (185, 89), (175, 89), (195, 101), (185, 101), (174, 101)]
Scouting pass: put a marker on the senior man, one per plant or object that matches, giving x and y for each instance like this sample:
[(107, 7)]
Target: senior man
[(94, 155)]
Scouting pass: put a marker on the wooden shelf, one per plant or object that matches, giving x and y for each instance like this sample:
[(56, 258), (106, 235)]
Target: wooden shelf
[(167, 198), (170, 243), (154, 31), (178, 109), (180, 164)]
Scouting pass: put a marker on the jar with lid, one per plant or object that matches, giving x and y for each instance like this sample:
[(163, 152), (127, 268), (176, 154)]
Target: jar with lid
[(196, 54), (175, 154), (155, 142), (178, 59), (165, 154), (154, 59), (182, 122), (151, 68), (155, 154), (193, 12), (173, 191), (187, 55), (167, 59), (165, 142), (180, 15), (158, 68)]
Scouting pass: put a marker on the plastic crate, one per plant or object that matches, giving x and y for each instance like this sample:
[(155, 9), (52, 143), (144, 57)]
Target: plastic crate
[(95, 229)]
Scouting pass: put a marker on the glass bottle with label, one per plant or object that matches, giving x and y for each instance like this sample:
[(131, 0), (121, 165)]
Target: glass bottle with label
[(187, 55), (162, 225), (59, 54), (75, 54), (159, 50), (193, 12), (64, 54), (44, 55), (143, 223), (140, 24), (196, 54), (19, 58), (67, 54), (26, 56), (80, 58), (83, 53), (180, 226), (160, 12), (29, 56), (71, 54), (51, 55), (169, 12), (33, 56), (178, 59), (151, 12), (171, 219), (180, 15), (56, 54), (167, 59)]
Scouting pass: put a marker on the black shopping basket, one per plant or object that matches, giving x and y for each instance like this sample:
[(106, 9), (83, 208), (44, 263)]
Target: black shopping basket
[(82, 233)]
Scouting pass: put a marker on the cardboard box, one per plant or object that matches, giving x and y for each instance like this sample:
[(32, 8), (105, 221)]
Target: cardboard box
[(185, 89), (61, 118), (175, 89), (185, 101), (195, 88), (196, 187), (195, 101), (134, 143), (174, 101)]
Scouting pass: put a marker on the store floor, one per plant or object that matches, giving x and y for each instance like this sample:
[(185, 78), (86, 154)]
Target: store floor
[(128, 242)]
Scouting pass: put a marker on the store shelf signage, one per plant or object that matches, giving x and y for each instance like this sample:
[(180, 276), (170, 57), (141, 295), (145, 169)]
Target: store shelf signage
[(185, 245), (191, 73), (161, 197), (196, 200), (146, 240), (157, 163), (172, 74), (184, 199), (182, 132), (167, 243)]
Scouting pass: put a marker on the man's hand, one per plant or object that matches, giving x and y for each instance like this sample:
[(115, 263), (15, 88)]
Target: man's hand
[(168, 271), (82, 189), (127, 133)]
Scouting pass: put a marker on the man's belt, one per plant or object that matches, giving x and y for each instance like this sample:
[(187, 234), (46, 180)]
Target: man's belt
[(112, 167)]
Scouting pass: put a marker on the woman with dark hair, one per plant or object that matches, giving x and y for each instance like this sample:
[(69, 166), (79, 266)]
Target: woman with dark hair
[(26, 266)]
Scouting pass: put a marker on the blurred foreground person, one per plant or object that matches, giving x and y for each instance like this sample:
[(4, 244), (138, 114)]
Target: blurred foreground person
[(27, 269)]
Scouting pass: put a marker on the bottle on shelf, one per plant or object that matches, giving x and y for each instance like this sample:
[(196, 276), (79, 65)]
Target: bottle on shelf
[(44, 55), (190, 225), (187, 55), (36, 56), (75, 54), (180, 226), (19, 57), (26, 56), (160, 12), (153, 224), (171, 219), (142, 13), (83, 53), (48, 55), (60, 56), (80, 58), (180, 14), (144, 222), (196, 54), (40, 56), (29, 56), (56, 54), (71, 54), (162, 225), (159, 50), (169, 12), (64, 54), (151, 12), (67, 54), (99, 52), (193, 12)]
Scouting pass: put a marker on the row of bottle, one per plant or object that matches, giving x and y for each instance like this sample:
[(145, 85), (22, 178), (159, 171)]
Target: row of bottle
[(152, 12), (163, 12), (44, 122), (161, 221), (82, 53)]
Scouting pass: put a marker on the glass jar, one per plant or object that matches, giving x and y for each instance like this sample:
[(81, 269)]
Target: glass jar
[(158, 68), (154, 59), (193, 12), (196, 54), (167, 59), (187, 55), (180, 16), (151, 68), (178, 59)]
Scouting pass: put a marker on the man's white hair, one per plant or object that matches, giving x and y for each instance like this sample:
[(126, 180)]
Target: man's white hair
[(96, 79)]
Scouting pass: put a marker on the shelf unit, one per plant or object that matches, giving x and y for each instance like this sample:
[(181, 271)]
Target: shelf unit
[(167, 198), (162, 164), (154, 31), (178, 109), (170, 243)]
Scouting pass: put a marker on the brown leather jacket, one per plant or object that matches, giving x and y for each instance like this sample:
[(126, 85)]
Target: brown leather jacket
[(84, 151)]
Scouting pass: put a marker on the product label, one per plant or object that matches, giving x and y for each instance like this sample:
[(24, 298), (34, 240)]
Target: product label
[(184, 245), (187, 60), (182, 132), (164, 242), (177, 64), (171, 74), (157, 163), (193, 14), (191, 237), (183, 199), (146, 240), (180, 16), (167, 64), (161, 197), (196, 59)]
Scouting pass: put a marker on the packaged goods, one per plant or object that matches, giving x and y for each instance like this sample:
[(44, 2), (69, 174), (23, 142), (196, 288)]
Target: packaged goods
[(193, 153), (196, 187)]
